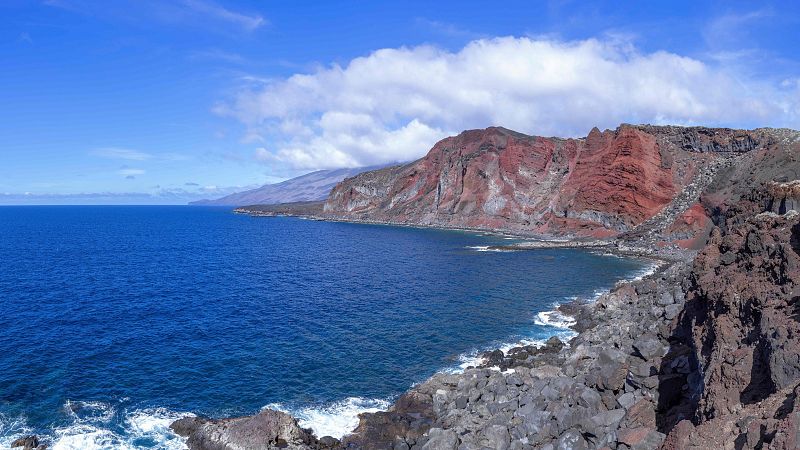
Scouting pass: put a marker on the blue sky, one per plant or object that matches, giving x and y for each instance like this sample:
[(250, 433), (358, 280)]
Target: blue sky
[(168, 101)]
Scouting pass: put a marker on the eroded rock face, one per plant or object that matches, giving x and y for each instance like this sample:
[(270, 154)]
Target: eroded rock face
[(783, 197), (601, 185), (745, 302), (741, 325), (407, 420)]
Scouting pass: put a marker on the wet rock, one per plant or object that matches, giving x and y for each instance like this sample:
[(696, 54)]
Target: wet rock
[(328, 442), (266, 430), (493, 358), (28, 443)]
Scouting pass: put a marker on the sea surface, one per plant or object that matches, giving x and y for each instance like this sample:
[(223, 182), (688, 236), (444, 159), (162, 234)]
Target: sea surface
[(114, 321)]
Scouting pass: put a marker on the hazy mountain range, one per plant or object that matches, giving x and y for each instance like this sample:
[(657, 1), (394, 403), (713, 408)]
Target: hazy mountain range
[(309, 187)]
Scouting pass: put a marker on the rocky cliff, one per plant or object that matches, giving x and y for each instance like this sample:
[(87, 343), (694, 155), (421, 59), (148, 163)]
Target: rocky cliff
[(605, 184)]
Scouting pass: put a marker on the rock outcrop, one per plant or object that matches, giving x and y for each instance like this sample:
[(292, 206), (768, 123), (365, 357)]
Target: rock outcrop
[(28, 443), (264, 431), (742, 323)]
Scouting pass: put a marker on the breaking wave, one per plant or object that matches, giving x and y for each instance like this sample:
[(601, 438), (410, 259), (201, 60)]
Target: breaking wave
[(336, 419), (100, 426)]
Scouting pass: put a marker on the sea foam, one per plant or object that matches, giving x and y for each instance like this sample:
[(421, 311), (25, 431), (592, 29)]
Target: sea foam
[(336, 419), (486, 248), (554, 319), (99, 426), (12, 429)]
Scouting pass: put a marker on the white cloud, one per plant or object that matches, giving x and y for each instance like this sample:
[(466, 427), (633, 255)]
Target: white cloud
[(205, 14), (120, 153), (130, 172), (248, 22), (394, 104), (135, 155)]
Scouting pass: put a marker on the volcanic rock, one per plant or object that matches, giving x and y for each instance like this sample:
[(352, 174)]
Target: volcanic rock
[(266, 430), (605, 184)]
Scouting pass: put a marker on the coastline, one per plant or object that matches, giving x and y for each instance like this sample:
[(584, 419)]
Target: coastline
[(530, 241), (579, 320)]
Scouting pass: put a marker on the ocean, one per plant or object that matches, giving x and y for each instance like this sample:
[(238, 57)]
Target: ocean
[(115, 320)]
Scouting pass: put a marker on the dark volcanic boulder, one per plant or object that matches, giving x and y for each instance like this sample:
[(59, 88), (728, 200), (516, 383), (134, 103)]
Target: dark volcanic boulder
[(28, 443), (264, 431)]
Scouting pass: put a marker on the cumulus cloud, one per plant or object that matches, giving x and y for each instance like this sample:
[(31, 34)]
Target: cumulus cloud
[(394, 104)]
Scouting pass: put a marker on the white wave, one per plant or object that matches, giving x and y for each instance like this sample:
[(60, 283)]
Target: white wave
[(337, 419), (646, 271), (606, 254), (486, 248), (153, 425), (554, 319), (12, 429), (521, 343), (93, 427), (90, 412), (475, 358), (472, 360), (87, 437)]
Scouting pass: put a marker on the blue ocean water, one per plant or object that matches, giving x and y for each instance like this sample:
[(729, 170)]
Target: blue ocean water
[(116, 320)]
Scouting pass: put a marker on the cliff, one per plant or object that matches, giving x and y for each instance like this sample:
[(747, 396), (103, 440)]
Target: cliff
[(605, 184)]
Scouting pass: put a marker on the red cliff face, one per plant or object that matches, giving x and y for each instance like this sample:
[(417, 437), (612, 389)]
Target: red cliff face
[(601, 185)]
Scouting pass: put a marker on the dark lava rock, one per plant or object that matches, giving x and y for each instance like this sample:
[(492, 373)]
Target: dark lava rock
[(28, 443), (266, 430), (493, 358)]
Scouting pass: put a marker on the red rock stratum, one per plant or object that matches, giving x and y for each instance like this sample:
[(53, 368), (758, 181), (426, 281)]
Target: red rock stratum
[(602, 185)]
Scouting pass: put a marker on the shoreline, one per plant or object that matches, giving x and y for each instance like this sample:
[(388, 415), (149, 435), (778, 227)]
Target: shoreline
[(576, 311), (530, 241), (162, 418), (580, 315)]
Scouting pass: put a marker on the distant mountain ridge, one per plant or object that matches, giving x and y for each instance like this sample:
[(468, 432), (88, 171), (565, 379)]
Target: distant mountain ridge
[(314, 186)]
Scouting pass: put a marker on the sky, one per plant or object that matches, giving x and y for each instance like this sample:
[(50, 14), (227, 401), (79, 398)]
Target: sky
[(164, 102)]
